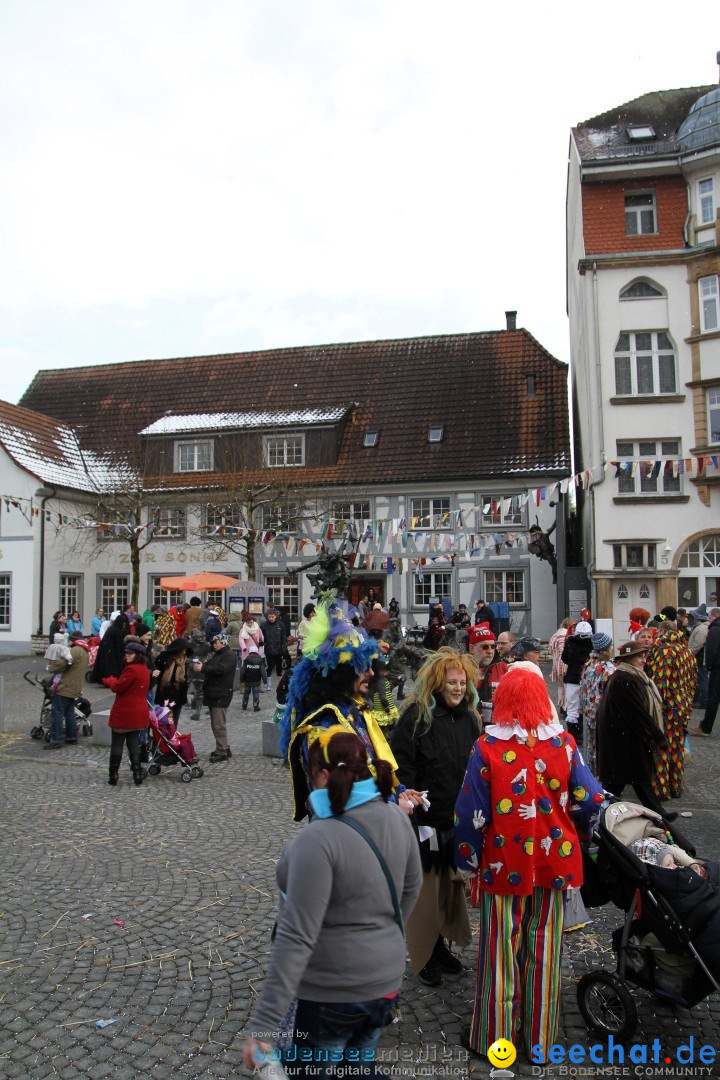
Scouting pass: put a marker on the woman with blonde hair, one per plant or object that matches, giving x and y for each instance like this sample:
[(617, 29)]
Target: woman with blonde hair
[(432, 743)]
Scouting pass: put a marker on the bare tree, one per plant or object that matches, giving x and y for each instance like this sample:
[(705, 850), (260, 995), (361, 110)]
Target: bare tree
[(237, 518)]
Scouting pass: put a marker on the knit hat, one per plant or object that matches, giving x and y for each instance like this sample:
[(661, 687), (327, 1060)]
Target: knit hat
[(601, 641), (135, 647), (220, 637), (525, 645), (699, 613), (478, 634), (583, 629)]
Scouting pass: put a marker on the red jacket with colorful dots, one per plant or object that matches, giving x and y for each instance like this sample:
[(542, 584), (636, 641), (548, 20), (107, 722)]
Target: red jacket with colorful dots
[(520, 808)]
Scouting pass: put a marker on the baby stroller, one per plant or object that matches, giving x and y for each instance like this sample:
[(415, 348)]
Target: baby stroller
[(672, 917), (83, 709), (169, 747)]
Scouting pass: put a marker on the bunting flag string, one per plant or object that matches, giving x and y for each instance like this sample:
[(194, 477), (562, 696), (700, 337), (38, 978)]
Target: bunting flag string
[(443, 535)]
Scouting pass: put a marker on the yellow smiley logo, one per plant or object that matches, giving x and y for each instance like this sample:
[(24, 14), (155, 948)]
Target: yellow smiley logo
[(502, 1053)]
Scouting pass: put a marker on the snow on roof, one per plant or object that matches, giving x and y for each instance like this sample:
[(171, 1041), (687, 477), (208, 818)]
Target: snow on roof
[(50, 450), (173, 424)]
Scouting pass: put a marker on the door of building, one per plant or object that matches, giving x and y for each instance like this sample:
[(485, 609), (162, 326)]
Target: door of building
[(360, 587), (630, 594)]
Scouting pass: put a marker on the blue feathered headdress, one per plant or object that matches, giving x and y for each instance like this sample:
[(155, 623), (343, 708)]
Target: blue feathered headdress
[(330, 639)]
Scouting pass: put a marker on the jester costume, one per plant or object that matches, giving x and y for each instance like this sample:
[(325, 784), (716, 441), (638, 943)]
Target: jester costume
[(673, 669), (525, 790), (329, 641)]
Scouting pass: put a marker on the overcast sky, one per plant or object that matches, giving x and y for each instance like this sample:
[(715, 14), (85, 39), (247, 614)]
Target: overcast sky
[(182, 178)]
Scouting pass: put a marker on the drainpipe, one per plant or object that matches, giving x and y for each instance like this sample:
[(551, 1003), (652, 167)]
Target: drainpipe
[(599, 427), (46, 493)]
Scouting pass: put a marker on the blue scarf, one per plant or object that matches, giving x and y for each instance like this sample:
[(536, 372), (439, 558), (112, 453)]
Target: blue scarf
[(362, 791)]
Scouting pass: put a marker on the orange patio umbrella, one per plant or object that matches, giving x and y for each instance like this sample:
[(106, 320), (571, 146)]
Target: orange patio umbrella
[(200, 582)]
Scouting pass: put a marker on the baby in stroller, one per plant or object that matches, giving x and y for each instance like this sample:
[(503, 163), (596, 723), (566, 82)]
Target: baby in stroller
[(169, 747), (669, 942)]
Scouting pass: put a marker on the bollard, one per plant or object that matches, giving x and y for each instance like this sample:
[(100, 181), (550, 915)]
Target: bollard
[(2, 703)]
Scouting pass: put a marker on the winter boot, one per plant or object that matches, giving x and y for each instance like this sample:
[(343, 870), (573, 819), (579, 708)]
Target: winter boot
[(114, 770), (137, 771)]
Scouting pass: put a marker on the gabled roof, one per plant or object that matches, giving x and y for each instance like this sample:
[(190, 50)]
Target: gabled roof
[(605, 136), (49, 450), (475, 385)]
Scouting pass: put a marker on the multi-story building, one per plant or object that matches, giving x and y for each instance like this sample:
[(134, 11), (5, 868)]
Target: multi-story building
[(643, 266), (443, 452)]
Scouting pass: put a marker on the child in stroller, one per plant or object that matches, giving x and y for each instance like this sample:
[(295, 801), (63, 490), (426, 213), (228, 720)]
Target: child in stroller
[(669, 942), (169, 747)]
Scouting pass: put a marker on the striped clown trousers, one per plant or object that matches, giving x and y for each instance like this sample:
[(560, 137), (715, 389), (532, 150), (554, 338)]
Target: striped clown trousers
[(517, 994)]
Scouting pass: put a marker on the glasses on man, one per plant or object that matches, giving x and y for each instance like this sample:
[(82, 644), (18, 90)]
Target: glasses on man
[(487, 646)]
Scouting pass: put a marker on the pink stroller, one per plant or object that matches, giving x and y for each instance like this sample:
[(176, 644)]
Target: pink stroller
[(169, 747)]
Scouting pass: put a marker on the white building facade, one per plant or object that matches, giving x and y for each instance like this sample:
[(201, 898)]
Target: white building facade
[(642, 283)]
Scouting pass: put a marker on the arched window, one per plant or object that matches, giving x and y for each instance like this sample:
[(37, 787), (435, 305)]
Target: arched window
[(642, 289), (645, 364)]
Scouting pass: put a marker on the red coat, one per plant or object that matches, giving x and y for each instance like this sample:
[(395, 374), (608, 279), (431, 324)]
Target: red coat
[(130, 709), (178, 614)]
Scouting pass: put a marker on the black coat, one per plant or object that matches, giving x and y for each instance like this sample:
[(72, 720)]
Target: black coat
[(219, 672), (712, 645), (275, 637), (111, 650), (574, 654), (486, 614), (627, 732), (435, 761), (175, 689)]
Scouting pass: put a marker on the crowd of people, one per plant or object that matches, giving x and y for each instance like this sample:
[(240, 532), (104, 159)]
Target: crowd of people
[(497, 789), (158, 658), (478, 785)]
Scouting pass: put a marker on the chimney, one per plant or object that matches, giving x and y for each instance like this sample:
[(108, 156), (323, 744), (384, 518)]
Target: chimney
[(511, 320)]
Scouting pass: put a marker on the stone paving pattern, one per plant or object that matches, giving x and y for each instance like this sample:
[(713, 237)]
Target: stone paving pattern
[(188, 869)]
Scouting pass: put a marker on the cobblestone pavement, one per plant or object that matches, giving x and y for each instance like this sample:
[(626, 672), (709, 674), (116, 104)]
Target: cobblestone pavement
[(151, 907)]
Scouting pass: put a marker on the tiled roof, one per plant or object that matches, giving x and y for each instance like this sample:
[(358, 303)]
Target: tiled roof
[(49, 450), (475, 385), (605, 136), (187, 423)]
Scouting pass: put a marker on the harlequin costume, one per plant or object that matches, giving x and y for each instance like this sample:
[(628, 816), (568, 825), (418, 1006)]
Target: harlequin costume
[(330, 640), (593, 679), (525, 790), (673, 669)]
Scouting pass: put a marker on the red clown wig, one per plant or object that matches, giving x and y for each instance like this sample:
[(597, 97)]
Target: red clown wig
[(522, 696)]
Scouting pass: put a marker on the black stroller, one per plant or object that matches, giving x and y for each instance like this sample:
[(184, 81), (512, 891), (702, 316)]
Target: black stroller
[(666, 913), (83, 709)]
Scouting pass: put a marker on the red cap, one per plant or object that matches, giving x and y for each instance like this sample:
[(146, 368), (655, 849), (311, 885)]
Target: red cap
[(480, 633)]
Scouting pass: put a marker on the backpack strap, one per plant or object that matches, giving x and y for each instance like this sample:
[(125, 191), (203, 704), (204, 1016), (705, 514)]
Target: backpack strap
[(383, 865)]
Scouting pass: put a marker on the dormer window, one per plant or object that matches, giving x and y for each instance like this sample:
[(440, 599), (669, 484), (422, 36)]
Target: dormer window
[(194, 455), (283, 451), (641, 131), (370, 439), (435, 433)]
